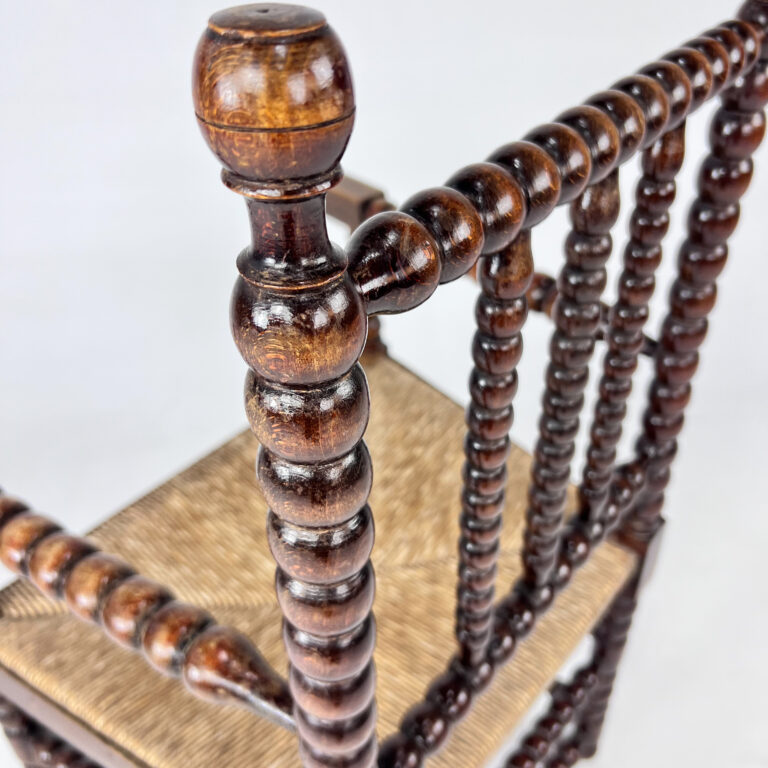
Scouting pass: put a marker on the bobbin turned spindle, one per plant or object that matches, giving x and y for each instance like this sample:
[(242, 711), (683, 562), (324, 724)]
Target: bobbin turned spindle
[(274, 101)]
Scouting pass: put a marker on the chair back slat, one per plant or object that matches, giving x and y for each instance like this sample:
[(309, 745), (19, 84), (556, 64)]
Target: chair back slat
[(500, 313), (648, 225), (576, 315), (736, 131)]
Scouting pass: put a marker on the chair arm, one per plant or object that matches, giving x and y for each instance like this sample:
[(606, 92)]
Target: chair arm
[(353, 201), (215, 662)]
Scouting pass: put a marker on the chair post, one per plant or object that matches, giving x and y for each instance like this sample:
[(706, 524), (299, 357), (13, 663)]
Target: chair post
[(274, 100), (610, 639), (34, 744), (736, 131)]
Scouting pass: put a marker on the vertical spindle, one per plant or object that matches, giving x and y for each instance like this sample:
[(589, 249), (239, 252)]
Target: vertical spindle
[(274, 100)]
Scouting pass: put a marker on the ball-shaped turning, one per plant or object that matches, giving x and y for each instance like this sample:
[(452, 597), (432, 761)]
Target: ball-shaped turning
[(273, 92)]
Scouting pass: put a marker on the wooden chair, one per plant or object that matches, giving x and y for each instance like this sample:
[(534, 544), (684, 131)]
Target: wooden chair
[(463, 645)]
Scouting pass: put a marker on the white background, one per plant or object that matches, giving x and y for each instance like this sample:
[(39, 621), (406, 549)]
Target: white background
[(117, 248)]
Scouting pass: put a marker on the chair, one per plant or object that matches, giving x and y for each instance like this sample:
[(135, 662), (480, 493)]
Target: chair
[(179, 585)]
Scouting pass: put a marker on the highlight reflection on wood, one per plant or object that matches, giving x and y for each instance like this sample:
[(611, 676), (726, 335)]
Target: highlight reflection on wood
[(458, 665), (415, 488)]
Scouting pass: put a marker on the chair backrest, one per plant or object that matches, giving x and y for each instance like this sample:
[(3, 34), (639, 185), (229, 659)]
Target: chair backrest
[(274, 100)]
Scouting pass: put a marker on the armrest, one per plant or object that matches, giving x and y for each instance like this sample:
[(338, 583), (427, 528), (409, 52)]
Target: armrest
[(216, 663)]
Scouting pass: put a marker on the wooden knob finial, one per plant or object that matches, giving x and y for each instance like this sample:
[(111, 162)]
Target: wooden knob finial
[(273, 92)]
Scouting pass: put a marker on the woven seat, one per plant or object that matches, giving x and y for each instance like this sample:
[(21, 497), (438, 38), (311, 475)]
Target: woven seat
[(203, 534)]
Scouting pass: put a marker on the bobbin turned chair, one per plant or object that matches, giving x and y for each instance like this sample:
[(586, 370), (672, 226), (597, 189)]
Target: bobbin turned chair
[(274, 101)]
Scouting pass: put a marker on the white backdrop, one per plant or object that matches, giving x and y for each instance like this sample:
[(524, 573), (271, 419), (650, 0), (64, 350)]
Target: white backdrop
[(117, 248)]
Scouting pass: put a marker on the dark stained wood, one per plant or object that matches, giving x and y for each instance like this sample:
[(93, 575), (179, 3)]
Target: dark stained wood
[(577, 318), (500, 313), (642, 255), (497, 198), (128, 607), (352, 202), (169, 631), (52, 560), (610, 639), (394, 262), (18, 537), (315, 423), (601, 136), (661, 97), (543, 293), (35, 745), (677, 87), (301, 312), (455, 226), (243, 123), (737, 129), (299, 319), (539, 181), (627, 115), (140, 614), (571, 155)]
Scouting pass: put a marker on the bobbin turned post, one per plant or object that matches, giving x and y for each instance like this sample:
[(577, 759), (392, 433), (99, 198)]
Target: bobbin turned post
[(273, 97)]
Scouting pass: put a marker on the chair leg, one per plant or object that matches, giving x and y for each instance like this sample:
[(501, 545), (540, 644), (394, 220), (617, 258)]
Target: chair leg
[(544, 737), (18, 730), (35, 745), (611, 635), (610, 638)]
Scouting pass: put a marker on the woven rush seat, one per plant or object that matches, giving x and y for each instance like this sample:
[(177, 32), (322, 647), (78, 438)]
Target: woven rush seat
[(203, 534)]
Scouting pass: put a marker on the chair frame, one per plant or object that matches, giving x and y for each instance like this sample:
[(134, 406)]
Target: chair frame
[(301, 312)]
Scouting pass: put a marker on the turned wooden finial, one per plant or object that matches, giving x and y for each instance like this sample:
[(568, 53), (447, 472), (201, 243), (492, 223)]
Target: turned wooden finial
[(273, 93)]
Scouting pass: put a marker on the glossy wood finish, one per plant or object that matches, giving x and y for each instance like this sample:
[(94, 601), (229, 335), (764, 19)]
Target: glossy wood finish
[(577, 318), (215, 662), (299, 320), (500, 313), (352, 202), (243, 119), (398, 259), (394, 262), (642, 255), (543, 294), (737, 129), (454, 224), (301, 310), (663, 94)]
